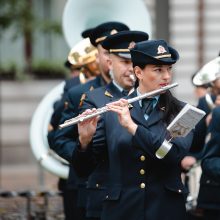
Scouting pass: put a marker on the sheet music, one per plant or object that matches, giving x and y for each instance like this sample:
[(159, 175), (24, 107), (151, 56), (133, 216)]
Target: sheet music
[(185, 121)]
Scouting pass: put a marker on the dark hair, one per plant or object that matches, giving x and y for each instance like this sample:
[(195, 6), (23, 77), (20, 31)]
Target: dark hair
[(171, 104), (142, 66)]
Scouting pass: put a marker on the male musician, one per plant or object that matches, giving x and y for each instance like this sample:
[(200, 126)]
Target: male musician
[(64, 139), (121, 69), (207, 130), (78, 75), (207, 106), (144, 175), (205, 103), (209, 192)]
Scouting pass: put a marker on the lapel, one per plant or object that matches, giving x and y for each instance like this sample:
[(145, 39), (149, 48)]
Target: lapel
[(137, 114), (155, 116)]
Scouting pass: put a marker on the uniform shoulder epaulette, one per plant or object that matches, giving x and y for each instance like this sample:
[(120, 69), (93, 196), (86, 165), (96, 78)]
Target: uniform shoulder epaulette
[(108, 94), (82, 99)]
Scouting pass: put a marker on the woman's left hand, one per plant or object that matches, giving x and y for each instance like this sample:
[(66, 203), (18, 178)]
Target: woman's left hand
[(121, 108)]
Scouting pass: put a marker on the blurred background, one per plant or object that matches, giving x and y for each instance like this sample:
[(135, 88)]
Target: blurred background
[(35, 39)]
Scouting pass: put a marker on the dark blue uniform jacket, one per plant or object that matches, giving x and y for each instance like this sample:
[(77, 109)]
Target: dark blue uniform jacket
[(140, 185), (209, 194), (98, 175)]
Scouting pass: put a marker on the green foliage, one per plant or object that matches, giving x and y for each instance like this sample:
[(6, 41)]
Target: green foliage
[(19, 14), (47, 27), (40, 70), (48, 70), (8, 71)]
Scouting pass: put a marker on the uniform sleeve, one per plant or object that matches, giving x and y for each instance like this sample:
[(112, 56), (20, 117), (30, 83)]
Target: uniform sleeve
[(198, 141), (211, 162), (150, 140), (84, 162), (65, 139), (211, 158), (54, 121)]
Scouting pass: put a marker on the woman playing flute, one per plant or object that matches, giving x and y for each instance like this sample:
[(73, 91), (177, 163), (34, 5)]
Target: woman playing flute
[(144, 176)]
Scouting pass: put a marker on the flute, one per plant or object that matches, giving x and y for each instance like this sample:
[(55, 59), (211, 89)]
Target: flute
[(104, 109)]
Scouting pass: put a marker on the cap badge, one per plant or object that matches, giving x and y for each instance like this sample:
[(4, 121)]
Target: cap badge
[(113, 32), (131, 45), (161, 50)]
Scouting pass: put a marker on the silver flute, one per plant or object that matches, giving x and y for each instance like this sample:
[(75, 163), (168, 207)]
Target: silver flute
[(104, 109)]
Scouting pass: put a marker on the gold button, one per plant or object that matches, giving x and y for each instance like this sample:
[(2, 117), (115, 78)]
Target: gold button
[(97, 185), (106, 197), (142, 185), (142, 158), (179, 190), (142, 171)]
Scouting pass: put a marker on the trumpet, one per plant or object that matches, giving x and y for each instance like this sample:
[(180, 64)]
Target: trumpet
[(104, 109)]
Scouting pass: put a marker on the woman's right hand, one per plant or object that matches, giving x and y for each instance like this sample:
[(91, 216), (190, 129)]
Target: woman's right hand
[(121, 108)]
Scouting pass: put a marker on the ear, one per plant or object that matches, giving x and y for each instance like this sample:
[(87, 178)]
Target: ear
[(109, 62), (138, 72)]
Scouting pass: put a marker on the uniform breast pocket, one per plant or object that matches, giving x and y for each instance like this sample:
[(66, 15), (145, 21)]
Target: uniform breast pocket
[(97, 181), (176, 189), (113, 194)]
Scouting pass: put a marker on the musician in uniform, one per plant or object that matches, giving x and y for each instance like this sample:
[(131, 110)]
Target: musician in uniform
[(209, 192), (206, 103), (64, 139), (121, 69), (209, 185), (144, 175), (79, 74)]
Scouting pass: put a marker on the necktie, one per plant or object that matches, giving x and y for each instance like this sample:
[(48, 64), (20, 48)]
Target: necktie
[(125, 92), (147, 105)]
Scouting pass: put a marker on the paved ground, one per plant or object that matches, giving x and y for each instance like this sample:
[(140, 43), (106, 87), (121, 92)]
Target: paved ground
[(27, 178)]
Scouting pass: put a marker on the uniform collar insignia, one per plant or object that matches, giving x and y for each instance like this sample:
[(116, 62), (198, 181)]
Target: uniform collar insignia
[(91, 88), (108, 94)]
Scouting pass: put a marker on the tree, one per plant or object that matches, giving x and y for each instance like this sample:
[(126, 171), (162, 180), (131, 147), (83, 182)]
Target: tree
[(20, 16)]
